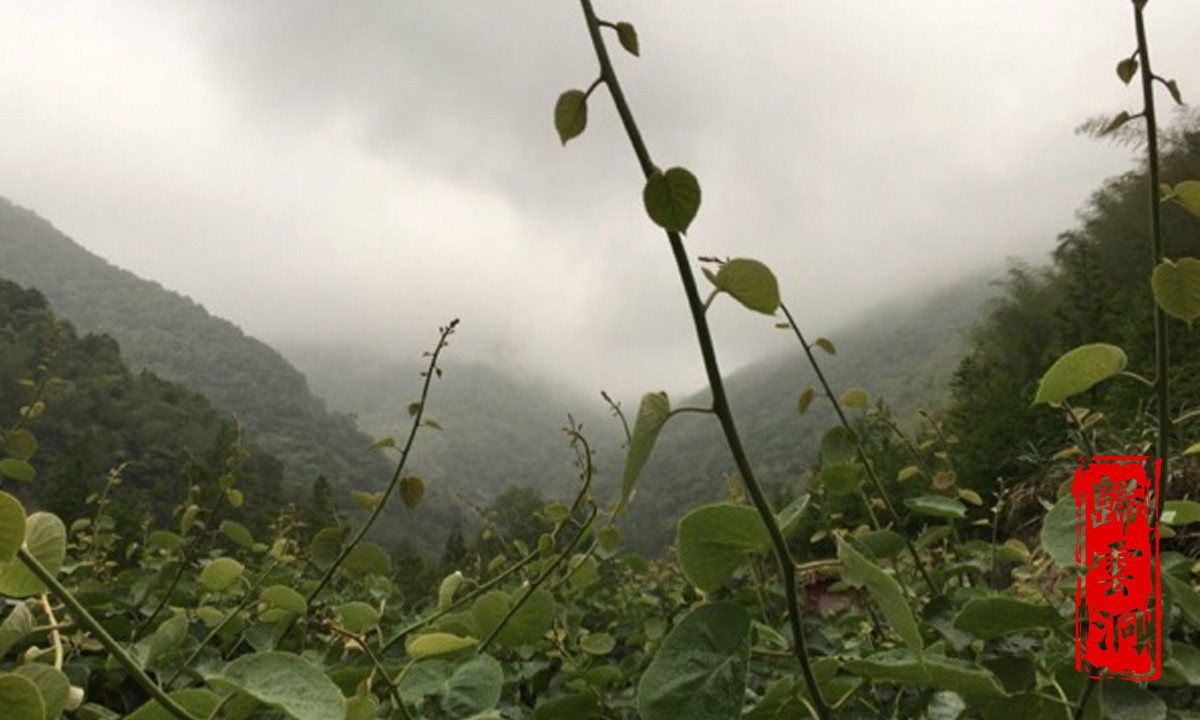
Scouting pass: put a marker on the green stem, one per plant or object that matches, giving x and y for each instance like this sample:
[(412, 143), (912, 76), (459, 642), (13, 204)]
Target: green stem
[(1084, 696), (720, 406), (1162, 394), (246, 600), (418, 624), (430, 371), (862, 455), (111, 645), (541, 578)]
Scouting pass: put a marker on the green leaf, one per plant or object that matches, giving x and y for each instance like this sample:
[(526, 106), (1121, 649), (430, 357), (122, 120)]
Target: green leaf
[(17, 469), (699, 672), (366, 500), (166, 540), (473, 687), (16, 627), (653, 413), (362, 707), (12, 526), (1176, 287), (1185, 597), (883, 544), (446, 591), (749, 282), (987, 618), (887, 595), (825, 345), (1173, 88), (1058, 531), (412, 489), (841, 479), (20, 444), (789, 518), (46, 540), (598, 643), (902, 666), (326, 545), (1124, 700), (52, 685), (198, 701), (937, 506), (382, 443), (1116, 122), (357, 616), (577, 706), (434, 644), (284, 681), (855, 398), (1180, 512), (221, 573), (806, 398), (284, 598), (1126, 69), (838, 445), (672, 199), (368, 558), (238, 533), (908, 473), (525, 627), (1187, 194), (20, 698), (166, 637), (570, 114), (627, 36), (715, 540), (1079, 370)]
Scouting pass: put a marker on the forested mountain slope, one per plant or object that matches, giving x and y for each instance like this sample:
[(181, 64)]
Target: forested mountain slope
[(1097, 289), (100, 416), (498, 430), (178, 339), (904, 353)]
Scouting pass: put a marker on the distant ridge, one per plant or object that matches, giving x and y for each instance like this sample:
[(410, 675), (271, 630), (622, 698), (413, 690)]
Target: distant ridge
[(178, 339)]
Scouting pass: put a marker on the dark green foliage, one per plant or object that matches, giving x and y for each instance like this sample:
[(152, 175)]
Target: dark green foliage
[(1096, 291), (179, 340), (102, 415)]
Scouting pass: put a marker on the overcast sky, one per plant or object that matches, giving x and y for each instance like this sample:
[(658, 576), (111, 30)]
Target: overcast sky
[(361, 171)]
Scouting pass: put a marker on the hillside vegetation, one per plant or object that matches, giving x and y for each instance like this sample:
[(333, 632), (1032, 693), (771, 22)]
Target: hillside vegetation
[(179, 340)]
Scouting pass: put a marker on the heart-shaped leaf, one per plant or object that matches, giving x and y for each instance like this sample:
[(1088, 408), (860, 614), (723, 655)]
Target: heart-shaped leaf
[(1079, 370), (672, 199), (570, 114), (715, 540), (886, 592), (749, 282), (699, 672), (46, 540), (1176, 288), (284, 681)]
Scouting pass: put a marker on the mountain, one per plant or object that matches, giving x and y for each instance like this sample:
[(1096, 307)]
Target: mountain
[(101, 417), (177, 339), (498, 430), (502, 431), (904, 352)]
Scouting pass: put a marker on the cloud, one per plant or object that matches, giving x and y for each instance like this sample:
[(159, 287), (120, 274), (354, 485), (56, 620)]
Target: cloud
[(377, 167)]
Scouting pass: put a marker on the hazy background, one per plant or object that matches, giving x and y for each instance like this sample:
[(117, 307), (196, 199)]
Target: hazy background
[(361, 172)]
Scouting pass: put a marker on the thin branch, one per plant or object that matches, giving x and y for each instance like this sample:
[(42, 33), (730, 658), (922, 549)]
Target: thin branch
[(716, 383), (429, 373), (111, 645), (1162, 347), (862, 455)]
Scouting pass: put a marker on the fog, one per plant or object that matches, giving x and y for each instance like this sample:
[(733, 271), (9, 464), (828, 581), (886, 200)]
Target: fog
[(358, 173)]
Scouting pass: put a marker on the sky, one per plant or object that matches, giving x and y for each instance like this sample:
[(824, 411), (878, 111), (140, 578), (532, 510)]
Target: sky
[(358, 173)]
